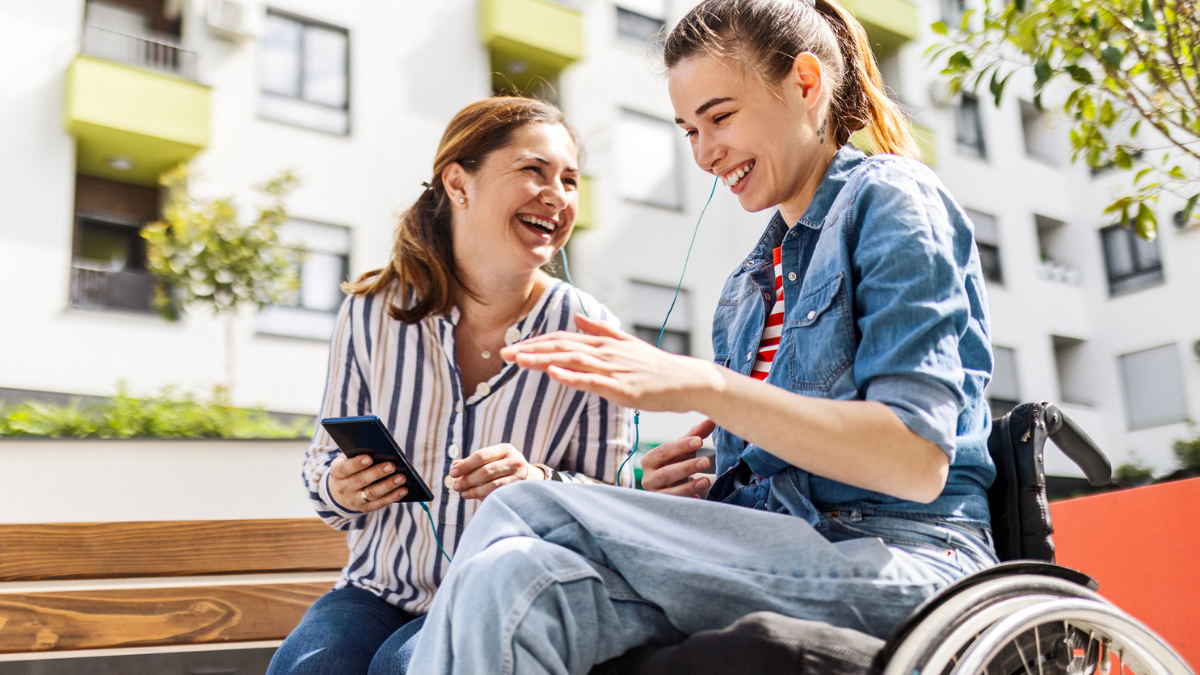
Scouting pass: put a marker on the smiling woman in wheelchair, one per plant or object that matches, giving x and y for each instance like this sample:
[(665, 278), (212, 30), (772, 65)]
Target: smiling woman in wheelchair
[(846, 402)]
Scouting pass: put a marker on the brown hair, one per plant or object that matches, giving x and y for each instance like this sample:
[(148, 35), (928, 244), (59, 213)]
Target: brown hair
[(769, 34), (423, 257)]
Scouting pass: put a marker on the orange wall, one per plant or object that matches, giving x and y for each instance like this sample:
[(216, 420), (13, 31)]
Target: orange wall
[(1143, 547)]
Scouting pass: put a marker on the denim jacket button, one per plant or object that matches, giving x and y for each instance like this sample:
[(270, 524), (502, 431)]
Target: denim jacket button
[(791, 276), (766, 296), (749, 355), (812, 313)]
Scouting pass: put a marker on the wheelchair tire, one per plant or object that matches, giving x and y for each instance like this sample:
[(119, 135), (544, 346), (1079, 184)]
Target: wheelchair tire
[(1069, 636), (933, 646)]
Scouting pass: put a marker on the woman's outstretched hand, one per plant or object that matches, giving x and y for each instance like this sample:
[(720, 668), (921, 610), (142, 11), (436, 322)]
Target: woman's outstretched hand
[(616, 365), (671, 468)]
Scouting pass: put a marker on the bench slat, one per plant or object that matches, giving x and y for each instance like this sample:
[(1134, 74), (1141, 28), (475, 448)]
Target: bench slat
[(40, 622), (168, 548)]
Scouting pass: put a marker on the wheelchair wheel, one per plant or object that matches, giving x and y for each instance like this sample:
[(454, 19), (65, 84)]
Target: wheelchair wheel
[(941, 642), (1069, 636)]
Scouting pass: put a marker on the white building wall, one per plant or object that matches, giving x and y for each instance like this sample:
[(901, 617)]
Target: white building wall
[(415, 64)]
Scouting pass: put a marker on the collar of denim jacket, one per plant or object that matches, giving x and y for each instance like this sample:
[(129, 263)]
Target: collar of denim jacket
[(844, 163)]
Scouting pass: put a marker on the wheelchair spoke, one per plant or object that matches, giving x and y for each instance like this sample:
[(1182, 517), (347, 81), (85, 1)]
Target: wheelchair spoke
[(1024, 661), (1037, 642)]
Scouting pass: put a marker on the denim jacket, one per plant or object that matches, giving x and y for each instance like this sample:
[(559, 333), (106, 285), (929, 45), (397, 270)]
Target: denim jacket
[(884, 301)]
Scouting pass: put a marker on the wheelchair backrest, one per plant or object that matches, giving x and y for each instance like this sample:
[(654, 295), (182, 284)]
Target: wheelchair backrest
[(1020, 509)]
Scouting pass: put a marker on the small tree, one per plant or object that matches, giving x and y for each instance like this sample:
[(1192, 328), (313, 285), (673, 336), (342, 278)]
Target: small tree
[(202, 254), (1129, 64), (1188, 454)]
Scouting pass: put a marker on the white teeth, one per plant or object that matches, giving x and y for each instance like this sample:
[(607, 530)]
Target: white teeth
[(542, 224), (733, 177)]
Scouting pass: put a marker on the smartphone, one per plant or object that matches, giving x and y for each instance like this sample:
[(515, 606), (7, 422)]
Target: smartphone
[(366, 435)]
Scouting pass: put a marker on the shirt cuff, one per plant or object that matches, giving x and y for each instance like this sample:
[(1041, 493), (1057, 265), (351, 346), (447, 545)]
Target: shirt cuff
[(927, 407), (327, 497)]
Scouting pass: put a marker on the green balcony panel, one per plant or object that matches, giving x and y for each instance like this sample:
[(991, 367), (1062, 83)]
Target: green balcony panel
[(133, 124), (889, 23), (529, 40)]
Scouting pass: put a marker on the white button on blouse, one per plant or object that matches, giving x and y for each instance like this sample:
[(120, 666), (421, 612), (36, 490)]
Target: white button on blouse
[(453, 451), (512, 335), (483, 389)]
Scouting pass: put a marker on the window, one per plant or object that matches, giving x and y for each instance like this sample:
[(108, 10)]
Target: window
[(1054, 254), (305, 74), (108, 262), (987, 239), (1132, 262), (1002, 392), (647, 161), (109, 267), (648, 307), (952, 12), (968, 126), (1153, 387), (311, 311), (1071, 367), (1041, 141), (636, 27)]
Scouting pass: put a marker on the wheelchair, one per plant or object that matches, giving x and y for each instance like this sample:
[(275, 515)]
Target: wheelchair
[(1025, 616)]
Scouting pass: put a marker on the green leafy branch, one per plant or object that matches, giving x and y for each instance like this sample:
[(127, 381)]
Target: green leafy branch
[(203, 254), (1128, 64)]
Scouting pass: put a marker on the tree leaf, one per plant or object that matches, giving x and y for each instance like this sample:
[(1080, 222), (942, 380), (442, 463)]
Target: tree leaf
[(940, 28), (1042, 72), (1079, 74), (1189, 209), (1147, 23), (1146, 223), (1111, 57)]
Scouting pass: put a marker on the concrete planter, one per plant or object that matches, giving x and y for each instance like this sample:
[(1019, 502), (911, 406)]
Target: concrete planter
[(91, 480)]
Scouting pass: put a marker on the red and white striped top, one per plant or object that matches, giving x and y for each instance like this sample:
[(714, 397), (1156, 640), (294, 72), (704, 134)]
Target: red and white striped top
[(773, 330)]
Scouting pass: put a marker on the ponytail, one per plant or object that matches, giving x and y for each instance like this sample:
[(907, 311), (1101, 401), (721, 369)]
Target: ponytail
[(862, 102), (770, 34), (423, 269)]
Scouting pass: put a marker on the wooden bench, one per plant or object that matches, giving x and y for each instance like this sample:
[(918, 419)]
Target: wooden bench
[(160, 586)]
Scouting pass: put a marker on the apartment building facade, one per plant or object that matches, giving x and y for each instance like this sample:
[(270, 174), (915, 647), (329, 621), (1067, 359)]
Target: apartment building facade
[(98, 97)]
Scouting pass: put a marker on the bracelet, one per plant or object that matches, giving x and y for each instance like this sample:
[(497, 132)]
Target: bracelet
[(550, 473)]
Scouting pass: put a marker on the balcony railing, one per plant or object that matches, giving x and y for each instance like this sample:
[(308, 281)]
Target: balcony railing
[(109, 289), (159, 53)]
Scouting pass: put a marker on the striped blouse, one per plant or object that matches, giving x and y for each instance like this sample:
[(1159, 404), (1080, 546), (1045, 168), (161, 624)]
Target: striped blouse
[(773, 329), (407, 375)]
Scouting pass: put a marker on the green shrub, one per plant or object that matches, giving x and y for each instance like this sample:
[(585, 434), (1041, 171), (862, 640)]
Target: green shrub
[(169, 414), (1188, 454), (1132, 474)]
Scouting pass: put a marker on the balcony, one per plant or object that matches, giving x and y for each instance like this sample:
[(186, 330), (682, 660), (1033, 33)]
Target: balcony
[(528, 40), (133, 107), (889, 23)]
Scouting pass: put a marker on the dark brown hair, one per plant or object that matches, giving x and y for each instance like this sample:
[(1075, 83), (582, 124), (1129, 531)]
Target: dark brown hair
[(423, 257), (768, 35)]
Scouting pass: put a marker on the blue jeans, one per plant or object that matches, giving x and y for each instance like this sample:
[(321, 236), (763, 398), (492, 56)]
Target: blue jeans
[(349, 631), (554, 578)]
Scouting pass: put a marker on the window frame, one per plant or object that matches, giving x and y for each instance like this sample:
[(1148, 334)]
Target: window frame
[(113, 223), (305, 22), (631, 40), (265, 321), (978, 151), (678, 175), (1127, 395), (1128, 283)]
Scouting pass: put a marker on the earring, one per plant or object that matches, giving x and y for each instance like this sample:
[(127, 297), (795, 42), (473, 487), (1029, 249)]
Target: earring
[(462, 200)]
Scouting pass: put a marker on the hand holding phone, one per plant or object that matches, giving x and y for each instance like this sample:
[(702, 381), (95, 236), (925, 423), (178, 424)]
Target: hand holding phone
[(358, 485), (363, 479)]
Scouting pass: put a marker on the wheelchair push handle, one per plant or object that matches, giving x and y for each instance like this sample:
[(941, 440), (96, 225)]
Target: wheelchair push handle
[(1077, 445)]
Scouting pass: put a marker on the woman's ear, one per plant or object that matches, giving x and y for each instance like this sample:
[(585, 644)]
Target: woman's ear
[(455, 179), (808, 77)]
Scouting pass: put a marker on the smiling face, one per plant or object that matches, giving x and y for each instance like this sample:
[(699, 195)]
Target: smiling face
[(520, 204), (767, 144)]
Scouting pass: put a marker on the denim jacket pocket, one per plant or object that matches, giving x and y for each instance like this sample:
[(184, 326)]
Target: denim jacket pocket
[(820, 336)]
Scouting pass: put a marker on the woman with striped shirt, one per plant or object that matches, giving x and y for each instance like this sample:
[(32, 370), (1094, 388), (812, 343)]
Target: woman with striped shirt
[(417, 344)]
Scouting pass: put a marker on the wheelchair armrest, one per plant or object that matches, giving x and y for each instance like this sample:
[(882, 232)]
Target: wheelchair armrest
[(1078, 446)]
